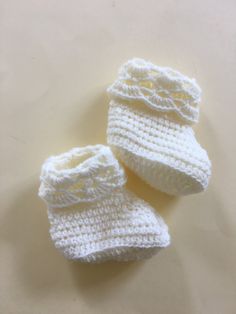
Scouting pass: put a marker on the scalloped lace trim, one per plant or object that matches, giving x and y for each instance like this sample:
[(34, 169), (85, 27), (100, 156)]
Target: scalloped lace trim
[(79, 176), (161, 88)]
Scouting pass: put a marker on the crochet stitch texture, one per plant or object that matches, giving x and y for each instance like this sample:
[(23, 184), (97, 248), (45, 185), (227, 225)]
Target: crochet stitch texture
[(93, 217), (150, 119)]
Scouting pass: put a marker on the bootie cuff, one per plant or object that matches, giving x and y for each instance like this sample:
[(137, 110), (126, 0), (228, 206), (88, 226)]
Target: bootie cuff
[(79, 176), (161, 88)]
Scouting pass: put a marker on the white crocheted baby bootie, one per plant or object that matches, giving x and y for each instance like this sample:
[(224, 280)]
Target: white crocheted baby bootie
[(93, 217), (151, 113)]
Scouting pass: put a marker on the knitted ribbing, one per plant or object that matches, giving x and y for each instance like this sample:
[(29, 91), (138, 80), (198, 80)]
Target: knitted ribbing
[(149, 126), (93, 217)]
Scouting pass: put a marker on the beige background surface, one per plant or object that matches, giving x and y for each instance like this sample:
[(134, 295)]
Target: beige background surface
[(57, 58)]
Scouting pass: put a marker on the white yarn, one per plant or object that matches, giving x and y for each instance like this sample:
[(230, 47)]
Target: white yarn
[(149, 125), (93, 217), (161, 88)]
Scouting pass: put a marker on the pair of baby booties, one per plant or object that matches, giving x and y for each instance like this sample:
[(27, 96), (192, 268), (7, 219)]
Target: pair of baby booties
[(93, 216)]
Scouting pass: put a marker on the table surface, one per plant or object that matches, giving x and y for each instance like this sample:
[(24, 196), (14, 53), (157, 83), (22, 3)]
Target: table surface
[(57, 59)]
